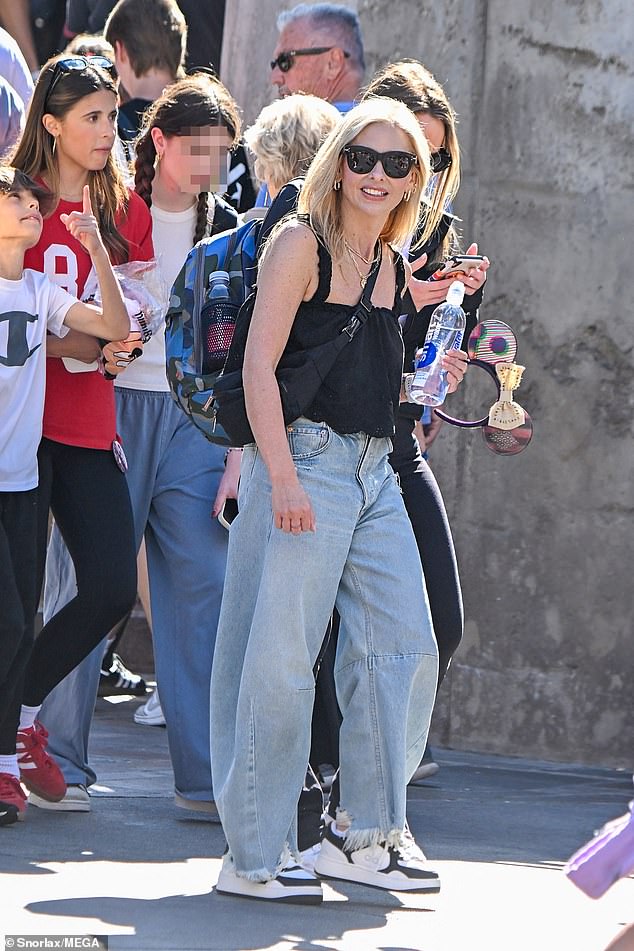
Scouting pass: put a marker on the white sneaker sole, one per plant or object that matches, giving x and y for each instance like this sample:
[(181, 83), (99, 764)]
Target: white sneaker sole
[(295, 894), (424, 771), (329, 864), (64, 805), (149, 721), (198, 805)]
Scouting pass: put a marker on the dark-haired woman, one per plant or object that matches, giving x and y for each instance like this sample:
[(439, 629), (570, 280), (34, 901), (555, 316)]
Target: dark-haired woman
[(411, 83), (67, 144), (174, 474)]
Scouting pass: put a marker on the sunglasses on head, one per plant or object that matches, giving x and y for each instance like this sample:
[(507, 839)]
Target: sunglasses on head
[(440, 160), (286, 59), (361, 159), (75, 64)]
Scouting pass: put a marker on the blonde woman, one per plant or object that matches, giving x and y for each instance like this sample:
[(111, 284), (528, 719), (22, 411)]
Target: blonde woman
[(323, 521)]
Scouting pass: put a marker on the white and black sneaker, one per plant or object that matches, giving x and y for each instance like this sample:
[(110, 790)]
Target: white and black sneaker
[(401, 868), (293, 885)]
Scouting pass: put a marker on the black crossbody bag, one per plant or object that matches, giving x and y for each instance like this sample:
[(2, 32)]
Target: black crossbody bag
[(299, 375)]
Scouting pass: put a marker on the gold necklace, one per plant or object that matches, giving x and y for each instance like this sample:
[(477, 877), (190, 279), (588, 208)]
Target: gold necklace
[(358, 254), (363, 278)]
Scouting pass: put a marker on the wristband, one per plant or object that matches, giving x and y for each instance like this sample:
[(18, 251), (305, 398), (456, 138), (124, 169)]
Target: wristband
[(231, 449)]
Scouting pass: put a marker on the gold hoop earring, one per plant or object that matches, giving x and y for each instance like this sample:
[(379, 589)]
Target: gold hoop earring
[(407, 195), (54, 146), (337, 185)]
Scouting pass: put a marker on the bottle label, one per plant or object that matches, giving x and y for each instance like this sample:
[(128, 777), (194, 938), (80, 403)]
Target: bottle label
[(458, 341), (427, 355)]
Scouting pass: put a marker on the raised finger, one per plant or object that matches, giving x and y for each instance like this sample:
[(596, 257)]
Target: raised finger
[(86, 204)]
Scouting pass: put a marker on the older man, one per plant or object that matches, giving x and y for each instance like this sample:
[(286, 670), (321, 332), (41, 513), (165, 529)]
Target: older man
[(319, 51)]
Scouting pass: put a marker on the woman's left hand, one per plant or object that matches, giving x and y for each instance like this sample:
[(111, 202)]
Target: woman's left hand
[(228, 488), (474, 278), (455, 363), (83, 225)]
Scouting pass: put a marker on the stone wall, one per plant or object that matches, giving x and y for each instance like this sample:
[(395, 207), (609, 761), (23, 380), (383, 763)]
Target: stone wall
[(546, 101)]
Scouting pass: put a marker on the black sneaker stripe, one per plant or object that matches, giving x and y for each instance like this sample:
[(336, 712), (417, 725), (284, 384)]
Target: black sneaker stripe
[(393, 865)]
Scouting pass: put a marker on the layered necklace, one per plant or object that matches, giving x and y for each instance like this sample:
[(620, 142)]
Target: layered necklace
[(369, 262)]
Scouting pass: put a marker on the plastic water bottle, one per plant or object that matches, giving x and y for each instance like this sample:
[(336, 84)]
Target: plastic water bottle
[(446, 328), (218, 320)]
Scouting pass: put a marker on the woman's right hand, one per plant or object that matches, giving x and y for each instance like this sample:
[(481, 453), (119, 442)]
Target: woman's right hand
[(292, 509)]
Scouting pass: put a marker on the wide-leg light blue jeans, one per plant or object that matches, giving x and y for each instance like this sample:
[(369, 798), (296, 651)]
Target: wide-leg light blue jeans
[(279, 592)]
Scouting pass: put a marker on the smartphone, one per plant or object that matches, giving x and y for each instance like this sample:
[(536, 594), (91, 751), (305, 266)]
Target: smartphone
[(455, 264), (228, 512)]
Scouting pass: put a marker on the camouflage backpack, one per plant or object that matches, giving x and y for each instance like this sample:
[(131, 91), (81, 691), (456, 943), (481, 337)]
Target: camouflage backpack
[(233, 251)]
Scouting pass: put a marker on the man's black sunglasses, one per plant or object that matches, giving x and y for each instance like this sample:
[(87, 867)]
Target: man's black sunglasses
[(361, 159), (286, 59), (74, 64), (440, 160)]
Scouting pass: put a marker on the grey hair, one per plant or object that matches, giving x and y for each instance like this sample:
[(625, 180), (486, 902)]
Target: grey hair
[(330, 17)]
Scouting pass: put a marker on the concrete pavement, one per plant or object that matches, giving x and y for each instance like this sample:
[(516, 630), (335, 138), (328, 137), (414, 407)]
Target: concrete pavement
[(141, 871)]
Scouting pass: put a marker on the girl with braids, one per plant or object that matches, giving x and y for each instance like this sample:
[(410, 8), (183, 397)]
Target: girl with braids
[(174, 474), (66, 145)]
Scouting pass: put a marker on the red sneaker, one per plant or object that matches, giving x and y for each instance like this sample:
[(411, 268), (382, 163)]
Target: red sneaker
[(12, 800), (38, 771)]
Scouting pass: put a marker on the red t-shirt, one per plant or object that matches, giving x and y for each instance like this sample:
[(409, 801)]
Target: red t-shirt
[(79, 408)]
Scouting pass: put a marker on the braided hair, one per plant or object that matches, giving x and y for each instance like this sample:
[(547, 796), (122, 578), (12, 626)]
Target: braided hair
[(193, 102)]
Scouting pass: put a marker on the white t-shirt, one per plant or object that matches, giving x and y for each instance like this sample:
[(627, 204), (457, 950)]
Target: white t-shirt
[(173, 239), (28, 308)]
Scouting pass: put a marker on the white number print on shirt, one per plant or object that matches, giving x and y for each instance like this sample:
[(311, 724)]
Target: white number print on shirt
[(60, 264)]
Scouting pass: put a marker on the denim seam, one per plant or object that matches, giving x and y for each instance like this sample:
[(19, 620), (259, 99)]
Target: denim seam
[(252, 782), (372, 694), (400, 655), (305, 456)]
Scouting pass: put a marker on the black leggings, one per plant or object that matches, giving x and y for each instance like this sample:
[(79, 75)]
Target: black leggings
[(88, 495), (18, 514), (426, 511)]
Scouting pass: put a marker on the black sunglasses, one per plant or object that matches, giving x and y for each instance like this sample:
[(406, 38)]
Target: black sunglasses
[(75, 64), (286, 59), (361, 159), (440, 160)]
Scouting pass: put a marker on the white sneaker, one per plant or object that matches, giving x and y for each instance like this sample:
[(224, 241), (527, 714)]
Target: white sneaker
[(76, 799), (293, 885), (151, 713), (308, 857), (399, 869)]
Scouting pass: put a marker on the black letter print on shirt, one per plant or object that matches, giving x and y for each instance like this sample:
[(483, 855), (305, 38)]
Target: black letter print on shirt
[(17, 345)]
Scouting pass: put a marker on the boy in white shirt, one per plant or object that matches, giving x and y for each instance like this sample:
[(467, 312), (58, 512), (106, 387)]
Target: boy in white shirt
[(30, 306)]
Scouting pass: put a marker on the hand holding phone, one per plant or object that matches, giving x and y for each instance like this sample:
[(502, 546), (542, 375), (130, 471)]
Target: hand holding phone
[(228, 512), (457, 264)]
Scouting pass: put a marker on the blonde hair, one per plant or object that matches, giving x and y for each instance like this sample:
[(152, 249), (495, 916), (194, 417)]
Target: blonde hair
[(412, 84), (322, 202), (286, 135)]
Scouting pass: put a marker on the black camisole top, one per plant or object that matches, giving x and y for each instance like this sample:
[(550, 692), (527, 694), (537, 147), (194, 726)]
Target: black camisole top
[(361, 393)]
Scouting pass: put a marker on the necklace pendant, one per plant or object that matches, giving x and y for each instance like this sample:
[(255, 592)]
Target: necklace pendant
[(363, 281)]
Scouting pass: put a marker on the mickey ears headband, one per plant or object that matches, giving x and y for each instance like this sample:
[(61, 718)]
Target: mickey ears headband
[(508, 428)]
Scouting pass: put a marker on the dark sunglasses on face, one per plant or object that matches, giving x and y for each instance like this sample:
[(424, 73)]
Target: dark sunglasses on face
[(361, 159), (286, 59), (440, 160), (75, 64)]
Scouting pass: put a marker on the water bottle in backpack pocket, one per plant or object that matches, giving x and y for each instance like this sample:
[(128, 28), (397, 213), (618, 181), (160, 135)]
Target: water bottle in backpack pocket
[(200, 322), (217, 322)]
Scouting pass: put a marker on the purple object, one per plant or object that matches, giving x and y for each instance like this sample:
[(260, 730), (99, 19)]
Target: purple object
[(605, 859)]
